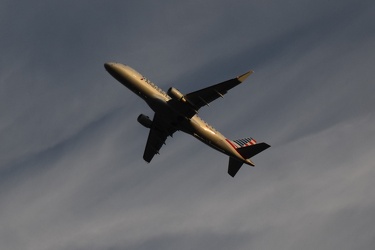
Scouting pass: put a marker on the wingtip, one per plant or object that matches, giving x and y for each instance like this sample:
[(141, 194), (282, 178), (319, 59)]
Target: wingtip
[(243, 77)]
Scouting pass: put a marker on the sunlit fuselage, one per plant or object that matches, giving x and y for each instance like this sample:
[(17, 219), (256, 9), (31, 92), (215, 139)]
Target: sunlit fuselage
[(157, 100)]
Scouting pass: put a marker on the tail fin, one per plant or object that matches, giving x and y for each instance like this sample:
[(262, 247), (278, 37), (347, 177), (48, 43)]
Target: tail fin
[(249, 151), (247, 148), (240, 143)]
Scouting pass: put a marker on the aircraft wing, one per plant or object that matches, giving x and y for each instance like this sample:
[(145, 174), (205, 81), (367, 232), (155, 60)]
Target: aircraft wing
[(157, 136), (204, 96)]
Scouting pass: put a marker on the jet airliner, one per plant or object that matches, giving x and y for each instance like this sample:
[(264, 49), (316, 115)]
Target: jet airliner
[(175, 111)]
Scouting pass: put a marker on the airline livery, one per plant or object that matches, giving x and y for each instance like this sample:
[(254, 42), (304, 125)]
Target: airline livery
[(176, 111)]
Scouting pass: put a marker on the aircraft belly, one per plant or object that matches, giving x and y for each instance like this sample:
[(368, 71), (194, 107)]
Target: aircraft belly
[(203, 133), (137, 86), (157, 104)]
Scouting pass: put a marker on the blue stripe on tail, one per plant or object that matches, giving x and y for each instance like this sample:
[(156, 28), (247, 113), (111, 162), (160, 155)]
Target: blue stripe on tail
[(240, 143)]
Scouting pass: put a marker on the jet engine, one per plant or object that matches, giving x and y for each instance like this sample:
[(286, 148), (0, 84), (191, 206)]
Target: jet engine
[(175, 94), (144, 120)]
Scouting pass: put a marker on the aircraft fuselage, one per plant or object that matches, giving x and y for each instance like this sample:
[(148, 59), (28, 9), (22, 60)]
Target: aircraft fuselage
[(158, 101)]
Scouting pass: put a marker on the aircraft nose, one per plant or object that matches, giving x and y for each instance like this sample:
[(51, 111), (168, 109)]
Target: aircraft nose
[(108, 66)]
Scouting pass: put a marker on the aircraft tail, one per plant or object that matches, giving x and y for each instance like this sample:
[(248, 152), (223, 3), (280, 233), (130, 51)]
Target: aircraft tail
[(249, 151), (241, 143), (247, 148), (234, 166)]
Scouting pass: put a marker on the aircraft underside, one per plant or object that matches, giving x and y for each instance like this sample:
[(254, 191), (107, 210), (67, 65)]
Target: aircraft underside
[(177, 112)]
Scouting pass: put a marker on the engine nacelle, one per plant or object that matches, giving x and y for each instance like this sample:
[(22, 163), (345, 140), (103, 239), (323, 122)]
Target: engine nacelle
[(175, 94), (144, 120)]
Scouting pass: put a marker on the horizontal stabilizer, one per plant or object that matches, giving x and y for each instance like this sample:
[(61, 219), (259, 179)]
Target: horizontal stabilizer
[(250, 151), (234, 166)]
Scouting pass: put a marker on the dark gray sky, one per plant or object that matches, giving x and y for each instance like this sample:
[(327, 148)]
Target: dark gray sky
[(71, 169)]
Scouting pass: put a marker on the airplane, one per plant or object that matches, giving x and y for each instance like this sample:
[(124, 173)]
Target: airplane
[(175, 111)]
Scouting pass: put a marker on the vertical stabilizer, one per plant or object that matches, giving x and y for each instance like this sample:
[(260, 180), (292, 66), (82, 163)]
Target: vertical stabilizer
[(248, 147), (241, 143), (249, 151)]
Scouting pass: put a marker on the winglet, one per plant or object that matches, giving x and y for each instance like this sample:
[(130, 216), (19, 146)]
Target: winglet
[(243, 77)]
